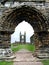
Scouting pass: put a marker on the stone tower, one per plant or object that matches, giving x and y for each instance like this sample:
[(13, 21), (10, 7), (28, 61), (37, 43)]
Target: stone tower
[(23, 38)]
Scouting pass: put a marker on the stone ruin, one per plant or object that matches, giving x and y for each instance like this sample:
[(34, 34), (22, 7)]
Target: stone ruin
[(36, 15)]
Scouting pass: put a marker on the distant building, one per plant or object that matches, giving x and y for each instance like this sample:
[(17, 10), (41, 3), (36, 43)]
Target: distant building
[(23, 38)]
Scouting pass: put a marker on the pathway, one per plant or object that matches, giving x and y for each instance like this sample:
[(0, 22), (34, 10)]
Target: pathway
[(25, 57)]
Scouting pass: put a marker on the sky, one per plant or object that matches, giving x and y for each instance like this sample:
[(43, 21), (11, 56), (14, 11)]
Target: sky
[(22, 27)]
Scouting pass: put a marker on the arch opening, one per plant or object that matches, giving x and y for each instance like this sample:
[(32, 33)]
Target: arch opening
[(30, 14), (23, 27), (12, 17)]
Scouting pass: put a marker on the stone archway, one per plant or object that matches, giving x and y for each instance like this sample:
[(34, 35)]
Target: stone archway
[(13, 17)]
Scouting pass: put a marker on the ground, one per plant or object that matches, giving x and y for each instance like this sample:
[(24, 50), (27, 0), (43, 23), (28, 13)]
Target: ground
[(6, 63), (16, 47), (25, 57)]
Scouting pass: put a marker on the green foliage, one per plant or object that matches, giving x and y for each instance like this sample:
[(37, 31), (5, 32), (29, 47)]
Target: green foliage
[(45, 62), (6, 63), (23, 46)]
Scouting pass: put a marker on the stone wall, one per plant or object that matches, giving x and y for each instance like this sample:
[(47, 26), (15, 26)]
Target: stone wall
[(7, 27)]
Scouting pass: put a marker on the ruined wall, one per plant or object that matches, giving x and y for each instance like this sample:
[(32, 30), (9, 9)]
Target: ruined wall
[(7, 28)]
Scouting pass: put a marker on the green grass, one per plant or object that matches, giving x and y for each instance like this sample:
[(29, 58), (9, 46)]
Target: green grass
[(24, 46), (45, 62), (6, 63), (29, 47)]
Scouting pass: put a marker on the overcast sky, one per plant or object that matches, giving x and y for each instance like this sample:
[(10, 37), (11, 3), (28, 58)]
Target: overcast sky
[(22, 27)]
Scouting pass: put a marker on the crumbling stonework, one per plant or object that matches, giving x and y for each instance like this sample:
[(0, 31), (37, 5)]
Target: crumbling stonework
[(35, 16)]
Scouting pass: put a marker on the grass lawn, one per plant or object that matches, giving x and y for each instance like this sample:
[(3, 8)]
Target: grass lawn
[(6, 63), (24, 46), (45, 62)]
